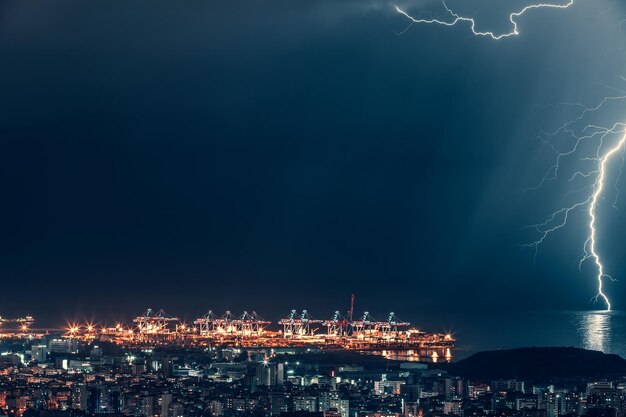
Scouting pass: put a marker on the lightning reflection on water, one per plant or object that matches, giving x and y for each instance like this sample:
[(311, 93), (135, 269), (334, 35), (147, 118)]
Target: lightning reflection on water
[(595, 329)]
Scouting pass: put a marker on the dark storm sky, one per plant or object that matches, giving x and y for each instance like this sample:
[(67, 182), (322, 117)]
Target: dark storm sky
[(285, 154)]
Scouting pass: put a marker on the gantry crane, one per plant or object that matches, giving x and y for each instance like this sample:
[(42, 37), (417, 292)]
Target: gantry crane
[(296, 325), (390, 328), (365, 326), (152, 322), (337, 325), (206, 324), (250, 324)]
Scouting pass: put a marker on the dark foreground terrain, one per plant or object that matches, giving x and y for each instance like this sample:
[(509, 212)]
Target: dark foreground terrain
[(539, 362)]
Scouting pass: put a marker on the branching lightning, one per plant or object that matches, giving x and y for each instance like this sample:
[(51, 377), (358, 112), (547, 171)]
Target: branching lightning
[(604, 144), (457, 18), (598, 174)]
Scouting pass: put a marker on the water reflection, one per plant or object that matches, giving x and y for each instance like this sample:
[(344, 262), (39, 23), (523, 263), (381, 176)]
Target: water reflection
[(417, 355), (595, 330)]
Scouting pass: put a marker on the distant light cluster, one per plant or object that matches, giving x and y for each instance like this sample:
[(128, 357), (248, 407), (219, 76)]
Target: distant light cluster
[(249, 329)]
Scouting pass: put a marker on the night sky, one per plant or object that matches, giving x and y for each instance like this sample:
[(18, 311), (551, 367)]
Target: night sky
[(284, 154)]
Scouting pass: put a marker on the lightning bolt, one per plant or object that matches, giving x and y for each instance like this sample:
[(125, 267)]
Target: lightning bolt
[(591, 242), (457, 18), (590, 132), (601, 161)]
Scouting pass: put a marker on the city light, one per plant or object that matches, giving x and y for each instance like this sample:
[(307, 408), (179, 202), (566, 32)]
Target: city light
[(250, 330)]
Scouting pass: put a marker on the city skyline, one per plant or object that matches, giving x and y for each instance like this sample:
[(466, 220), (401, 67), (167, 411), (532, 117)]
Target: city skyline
[(312, 208)]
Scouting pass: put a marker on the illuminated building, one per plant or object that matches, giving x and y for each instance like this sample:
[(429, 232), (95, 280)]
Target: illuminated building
[(79, 396), (305, 403), (39, 353), (96, 352), (386, 387), (167, 366), (454, 388), (270, 374), (216, 408), (508, 385), (278, 403), (453, 407), (342, 406), (166, 400), (64, 345)]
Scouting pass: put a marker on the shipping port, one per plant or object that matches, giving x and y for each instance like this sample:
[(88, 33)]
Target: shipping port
[(297, 329)]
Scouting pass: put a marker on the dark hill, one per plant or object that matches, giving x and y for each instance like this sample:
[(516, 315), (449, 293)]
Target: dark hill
[(539, 363)]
